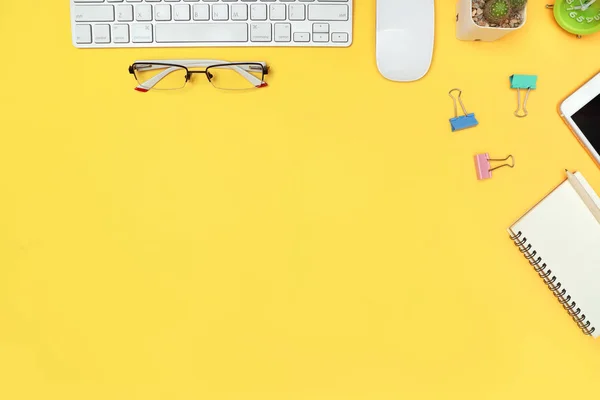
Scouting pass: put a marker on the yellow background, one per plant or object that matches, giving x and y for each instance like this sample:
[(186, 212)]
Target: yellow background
[(324, 238)]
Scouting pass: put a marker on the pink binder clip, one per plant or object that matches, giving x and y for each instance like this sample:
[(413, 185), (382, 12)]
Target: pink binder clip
[(484, 167)]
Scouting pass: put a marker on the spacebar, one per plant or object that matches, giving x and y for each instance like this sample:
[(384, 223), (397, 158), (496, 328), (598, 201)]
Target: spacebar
[(173, 33)]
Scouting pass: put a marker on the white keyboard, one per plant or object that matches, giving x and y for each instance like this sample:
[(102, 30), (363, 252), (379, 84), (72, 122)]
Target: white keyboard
[(208, 23)]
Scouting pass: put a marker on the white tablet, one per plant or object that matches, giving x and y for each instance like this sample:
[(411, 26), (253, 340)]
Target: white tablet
[(581, 111)]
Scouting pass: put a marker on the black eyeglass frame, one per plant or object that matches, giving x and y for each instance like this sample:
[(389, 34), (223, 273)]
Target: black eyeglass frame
[(188, 74)]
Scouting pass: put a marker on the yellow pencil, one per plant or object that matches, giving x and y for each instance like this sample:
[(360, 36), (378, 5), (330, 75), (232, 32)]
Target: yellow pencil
[(585, 196)]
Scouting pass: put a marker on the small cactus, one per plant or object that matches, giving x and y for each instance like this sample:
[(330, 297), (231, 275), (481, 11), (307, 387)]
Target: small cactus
[(497, 11), (518, 5)]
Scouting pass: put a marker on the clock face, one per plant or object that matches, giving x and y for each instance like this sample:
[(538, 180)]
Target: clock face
[(580, 17)]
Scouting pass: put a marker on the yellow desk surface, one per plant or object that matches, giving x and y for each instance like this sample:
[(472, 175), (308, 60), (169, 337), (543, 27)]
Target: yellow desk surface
[(324, 238)]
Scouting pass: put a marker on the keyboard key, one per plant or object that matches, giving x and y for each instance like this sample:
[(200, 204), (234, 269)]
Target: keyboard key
[(143, 12), (283, 32), (277, 12), (141, 33), (258, 12), (296, 12), (320, 28), (124, 13), (201, 12), (220, 12), (94, 13), (260, 32), (120, 33), (339, 37), (83, 34), (198, 33), (102, 33), (320, 37), (327, 12), (181, 12), (239, 12), (301, 37), (162, 12)]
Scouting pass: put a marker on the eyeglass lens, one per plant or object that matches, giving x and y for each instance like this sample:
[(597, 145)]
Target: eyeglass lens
[(175, 77), (231, 77)]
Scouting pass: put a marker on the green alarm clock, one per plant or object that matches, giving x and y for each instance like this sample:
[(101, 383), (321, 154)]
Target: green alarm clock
[(579, 17)]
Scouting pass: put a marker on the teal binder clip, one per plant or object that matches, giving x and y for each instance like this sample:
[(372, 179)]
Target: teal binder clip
[(519, 82), (464, 121)]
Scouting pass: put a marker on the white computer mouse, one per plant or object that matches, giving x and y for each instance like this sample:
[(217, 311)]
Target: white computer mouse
[(405, 32)]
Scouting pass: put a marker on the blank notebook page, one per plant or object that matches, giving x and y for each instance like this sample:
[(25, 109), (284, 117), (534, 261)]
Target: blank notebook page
[(565, 234)]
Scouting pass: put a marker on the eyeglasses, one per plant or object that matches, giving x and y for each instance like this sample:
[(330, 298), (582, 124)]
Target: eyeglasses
[(175, 74)]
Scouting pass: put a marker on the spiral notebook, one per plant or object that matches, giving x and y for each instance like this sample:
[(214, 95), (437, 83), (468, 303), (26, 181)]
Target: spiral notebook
[(560, 237)]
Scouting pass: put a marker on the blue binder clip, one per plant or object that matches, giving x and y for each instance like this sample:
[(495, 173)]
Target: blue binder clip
[(522, 82), (464, 121)]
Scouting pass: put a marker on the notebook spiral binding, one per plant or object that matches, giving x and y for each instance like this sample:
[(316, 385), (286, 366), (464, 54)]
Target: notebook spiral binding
[(553, 285)]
